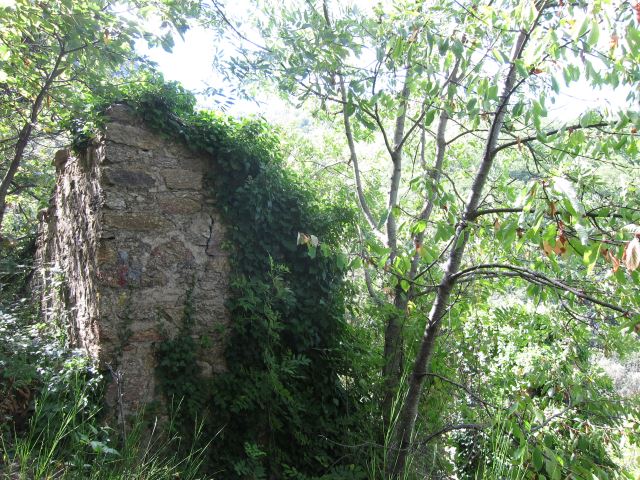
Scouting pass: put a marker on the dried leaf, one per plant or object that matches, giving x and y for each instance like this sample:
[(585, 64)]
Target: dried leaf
[(418, 245), (611, 258), (614, 262), (303, 239), (561, 244), (631, 256), (614, 41)]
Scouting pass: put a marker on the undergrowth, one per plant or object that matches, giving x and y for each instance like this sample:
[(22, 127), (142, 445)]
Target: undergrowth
[(51, 424)]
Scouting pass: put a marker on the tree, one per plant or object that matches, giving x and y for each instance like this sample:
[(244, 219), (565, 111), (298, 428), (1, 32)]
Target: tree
[(53, 54), (532, 204)]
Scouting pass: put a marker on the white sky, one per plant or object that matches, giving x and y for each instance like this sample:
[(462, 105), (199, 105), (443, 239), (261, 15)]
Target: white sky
[(191, 64)]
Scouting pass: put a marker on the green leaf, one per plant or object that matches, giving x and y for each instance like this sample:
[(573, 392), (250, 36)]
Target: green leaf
[(419, 227), (350, 108), (538, 459), (583, 233), (383, 218), (551, 465), (591, 117), (429, 117), (594, 34), (518, 108), (519, 453), (492, 92), (471, 104), (582, 28), (568, 194), (591, 255)]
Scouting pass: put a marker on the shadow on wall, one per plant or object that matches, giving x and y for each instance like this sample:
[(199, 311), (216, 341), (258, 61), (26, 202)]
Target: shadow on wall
[(137, 240)]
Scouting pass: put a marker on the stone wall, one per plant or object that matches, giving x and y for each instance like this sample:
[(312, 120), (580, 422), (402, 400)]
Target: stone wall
[(130, 240)]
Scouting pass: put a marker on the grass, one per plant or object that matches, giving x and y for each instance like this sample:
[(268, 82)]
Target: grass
[(502, 465), (65, 440)]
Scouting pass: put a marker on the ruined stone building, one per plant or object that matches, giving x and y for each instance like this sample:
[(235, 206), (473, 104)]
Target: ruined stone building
[(130, 249)]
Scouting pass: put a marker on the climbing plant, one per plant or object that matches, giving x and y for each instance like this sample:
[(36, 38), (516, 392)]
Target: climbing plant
[(288, 397)]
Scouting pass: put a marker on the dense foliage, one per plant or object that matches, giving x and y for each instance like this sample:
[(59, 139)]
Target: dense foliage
[(289, 396), (492, 196), (52, 54), (435, 290), (51, 424)]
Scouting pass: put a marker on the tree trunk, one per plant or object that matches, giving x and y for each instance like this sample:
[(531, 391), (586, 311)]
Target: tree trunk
[(407, 418), (393, 351), (393, 334), (25, 136)]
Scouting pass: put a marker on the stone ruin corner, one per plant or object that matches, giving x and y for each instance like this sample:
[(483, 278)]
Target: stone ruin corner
[(131, 237)]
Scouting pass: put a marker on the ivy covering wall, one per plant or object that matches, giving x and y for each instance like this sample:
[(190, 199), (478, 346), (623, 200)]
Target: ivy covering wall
[(288, 403)]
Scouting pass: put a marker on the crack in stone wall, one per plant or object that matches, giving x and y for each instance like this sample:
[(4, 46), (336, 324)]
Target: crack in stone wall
[(131, 234)]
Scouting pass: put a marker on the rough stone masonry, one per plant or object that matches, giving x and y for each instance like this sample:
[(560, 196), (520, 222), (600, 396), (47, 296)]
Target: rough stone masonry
[(130, 245)]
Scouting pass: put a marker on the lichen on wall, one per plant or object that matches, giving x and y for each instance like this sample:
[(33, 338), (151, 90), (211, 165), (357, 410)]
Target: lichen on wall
[(130, 249)]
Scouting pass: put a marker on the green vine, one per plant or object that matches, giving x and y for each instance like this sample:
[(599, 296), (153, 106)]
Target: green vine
[(281, 410)]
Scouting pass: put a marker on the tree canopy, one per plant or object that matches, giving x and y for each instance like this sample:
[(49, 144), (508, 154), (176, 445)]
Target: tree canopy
[(55, 55), (490, 235), (490, 195)]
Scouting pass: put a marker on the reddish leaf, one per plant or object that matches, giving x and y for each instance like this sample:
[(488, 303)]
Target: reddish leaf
[(615, 262), (561, 244)]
